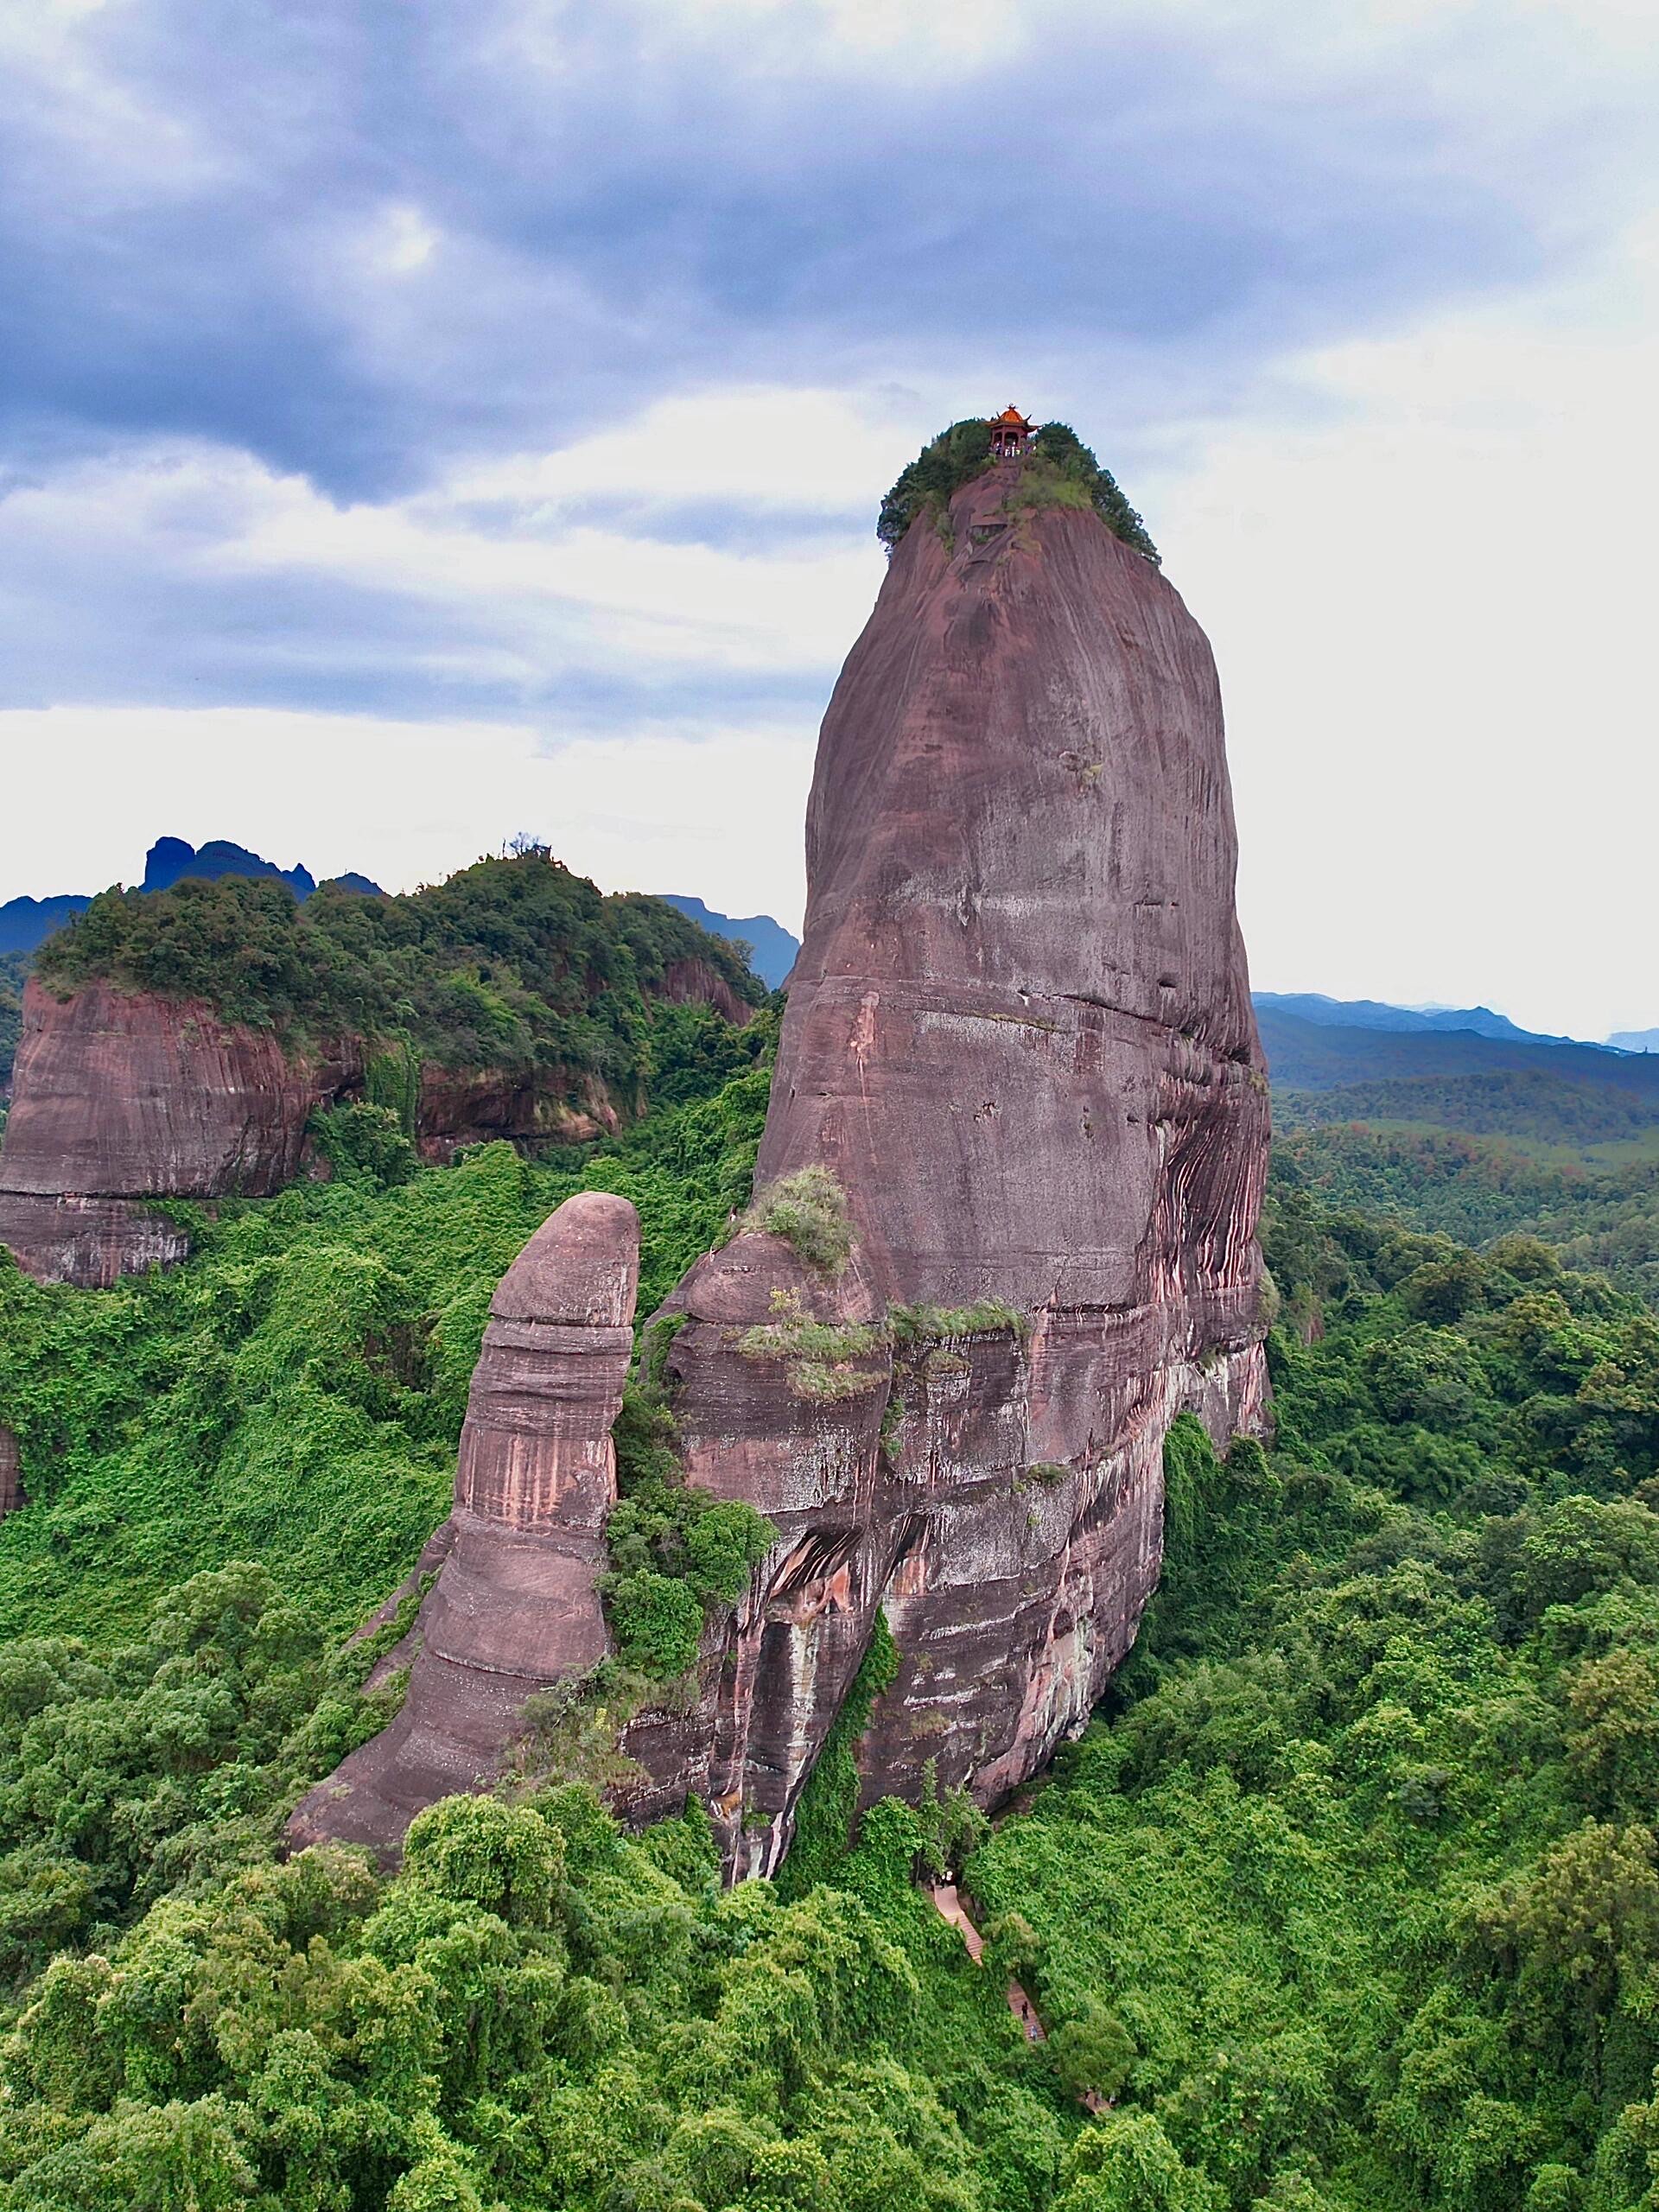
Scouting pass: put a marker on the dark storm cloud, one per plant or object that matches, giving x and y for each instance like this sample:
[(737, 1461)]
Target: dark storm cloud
[(627, 203)]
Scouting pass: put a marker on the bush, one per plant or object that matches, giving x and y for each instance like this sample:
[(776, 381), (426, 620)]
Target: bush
[(674, 1551), (656, 1622), (938, 1324), (941, 468), (364, 1141), (808, 1210), (822, 1357), (1058, 449)]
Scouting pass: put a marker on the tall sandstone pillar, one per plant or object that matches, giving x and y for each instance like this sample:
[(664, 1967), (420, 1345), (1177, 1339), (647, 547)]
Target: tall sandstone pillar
[(514, 1607), (1019, 1035)]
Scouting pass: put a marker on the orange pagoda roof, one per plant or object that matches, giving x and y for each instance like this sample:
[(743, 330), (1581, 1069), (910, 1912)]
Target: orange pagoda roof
[(1013, 418)]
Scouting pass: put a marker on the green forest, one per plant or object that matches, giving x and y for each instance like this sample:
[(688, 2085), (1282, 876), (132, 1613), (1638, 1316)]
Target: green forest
[(1599, 1208), (515, 963), (1349, 1902)]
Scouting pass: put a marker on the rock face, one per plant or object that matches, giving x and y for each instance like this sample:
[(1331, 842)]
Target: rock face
[(119, 1098), (1020, 1035), (686, 983), (1020, 1039), (514, 1607), (122, 1096), (461, 1106)]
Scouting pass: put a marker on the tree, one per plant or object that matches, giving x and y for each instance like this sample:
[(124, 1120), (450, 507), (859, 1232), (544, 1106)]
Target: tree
[(1613, 1747), (1091, 2052), (1125, 2163)]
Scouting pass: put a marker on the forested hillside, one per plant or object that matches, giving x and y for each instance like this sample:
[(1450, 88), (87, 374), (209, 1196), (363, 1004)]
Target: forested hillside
[(1474, 1136), (1597, 1210), (510, 962), (1350, 1903)]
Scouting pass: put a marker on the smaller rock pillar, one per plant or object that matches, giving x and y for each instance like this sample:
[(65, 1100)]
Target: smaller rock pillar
[(514, 1608)]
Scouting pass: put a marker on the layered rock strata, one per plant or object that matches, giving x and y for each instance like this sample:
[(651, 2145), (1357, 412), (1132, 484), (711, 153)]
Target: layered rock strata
[(122, 1097), (1019, 1041), (514, 1607)]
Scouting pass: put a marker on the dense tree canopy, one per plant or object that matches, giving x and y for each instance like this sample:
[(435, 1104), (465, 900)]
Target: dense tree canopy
[(1347, 1902), (513, 963), (1597, 1210), (1059, 470)]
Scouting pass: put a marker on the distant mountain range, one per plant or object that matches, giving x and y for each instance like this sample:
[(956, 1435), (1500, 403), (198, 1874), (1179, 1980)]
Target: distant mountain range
[(771, 947), (25, 923), (1326, 1070), (1314, 1043), (169, 860), (1373, 1014)]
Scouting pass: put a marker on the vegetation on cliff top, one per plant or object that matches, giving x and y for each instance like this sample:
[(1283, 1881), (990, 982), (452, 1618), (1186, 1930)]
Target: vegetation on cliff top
[(514, 964), (1059, 470)]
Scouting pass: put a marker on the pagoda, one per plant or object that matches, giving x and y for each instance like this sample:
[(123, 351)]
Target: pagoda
[(1009, 434)]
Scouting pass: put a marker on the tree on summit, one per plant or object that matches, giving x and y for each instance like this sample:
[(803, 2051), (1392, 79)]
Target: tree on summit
[(1056, 459)]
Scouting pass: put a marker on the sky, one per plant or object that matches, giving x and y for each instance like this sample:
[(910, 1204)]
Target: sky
[(424, 424)]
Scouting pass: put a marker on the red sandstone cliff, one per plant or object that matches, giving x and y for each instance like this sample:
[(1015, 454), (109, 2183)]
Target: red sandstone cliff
[(1020, 1037), (119, 1098)]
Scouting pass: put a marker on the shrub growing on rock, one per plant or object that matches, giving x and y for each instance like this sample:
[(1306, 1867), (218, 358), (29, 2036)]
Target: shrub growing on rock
[(808, 1210)]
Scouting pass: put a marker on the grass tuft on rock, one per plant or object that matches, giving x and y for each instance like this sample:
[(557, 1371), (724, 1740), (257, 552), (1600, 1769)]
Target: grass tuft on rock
[(808, 1210)]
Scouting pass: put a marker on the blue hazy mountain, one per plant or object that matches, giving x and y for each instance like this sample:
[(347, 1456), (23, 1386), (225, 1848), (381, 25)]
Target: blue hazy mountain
[(25, 923), (169, 860), (771, 948), (1634, 1040), (1518, 1085), (1373, 1014)]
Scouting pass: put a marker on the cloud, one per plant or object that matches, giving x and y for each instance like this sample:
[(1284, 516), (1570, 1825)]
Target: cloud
[(641, 808), (580, 585), (360, 239), (1428, 581)]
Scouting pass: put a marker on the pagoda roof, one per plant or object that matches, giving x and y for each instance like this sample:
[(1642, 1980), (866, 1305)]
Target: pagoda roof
[(1013, 419)]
